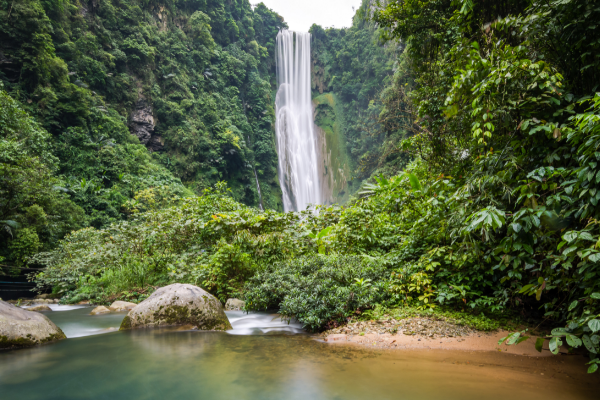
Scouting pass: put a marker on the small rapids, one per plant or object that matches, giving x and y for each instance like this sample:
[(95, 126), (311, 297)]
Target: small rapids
[(260, 324)]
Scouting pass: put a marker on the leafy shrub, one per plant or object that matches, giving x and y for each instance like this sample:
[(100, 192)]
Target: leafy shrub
[(26, 244), (318, 290)]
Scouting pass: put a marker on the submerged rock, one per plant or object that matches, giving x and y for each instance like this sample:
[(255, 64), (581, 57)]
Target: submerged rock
[(235, 305), (178, 304), (41, 307), (122, 306), (100, 310), (23, 328)]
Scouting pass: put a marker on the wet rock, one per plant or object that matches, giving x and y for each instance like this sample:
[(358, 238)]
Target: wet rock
[(122, 306), (235, 305), (42, 307), (155, 143), (100, 310), (23, 328), (178, 304), (142, 121)]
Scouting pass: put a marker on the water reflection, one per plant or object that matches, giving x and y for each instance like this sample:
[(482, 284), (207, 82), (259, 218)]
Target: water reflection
[(172, 364)]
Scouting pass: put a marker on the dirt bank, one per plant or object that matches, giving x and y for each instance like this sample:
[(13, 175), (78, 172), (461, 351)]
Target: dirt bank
[(428, 333)]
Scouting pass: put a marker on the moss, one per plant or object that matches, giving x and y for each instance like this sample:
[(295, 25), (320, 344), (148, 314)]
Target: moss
[(28, 341), (182, 315), (329, 117), (125, 324)]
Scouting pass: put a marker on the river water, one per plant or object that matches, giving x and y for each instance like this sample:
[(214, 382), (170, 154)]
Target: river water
[(265, 358)]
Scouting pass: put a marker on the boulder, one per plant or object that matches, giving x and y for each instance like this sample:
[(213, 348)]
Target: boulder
[(121, 306), (178, 304), (39, 308), (235, 305), (23, 328), (100, 310)]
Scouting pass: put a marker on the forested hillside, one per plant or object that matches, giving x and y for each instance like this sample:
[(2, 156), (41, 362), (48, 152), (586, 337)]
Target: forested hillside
[(352, 77), (133, 104), (483, 119)]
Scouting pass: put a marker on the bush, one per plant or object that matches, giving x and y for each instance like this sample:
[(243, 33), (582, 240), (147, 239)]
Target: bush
[(320, 291)]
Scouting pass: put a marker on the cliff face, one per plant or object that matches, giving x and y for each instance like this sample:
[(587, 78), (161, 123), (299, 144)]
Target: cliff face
[(334, 168), (190, 79), (350, 70)]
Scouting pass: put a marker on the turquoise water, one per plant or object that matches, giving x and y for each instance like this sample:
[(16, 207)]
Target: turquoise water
[(262, 358)]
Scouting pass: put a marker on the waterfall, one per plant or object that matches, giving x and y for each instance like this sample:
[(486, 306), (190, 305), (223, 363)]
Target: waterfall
[(294, 127), (260, 204)]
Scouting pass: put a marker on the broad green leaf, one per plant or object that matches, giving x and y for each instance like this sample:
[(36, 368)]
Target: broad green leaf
[(573, 340), (594, 325), (593, 368), (539, 344), (512, 338), (595, 295), (414, 181), (573, 305), (570, 236), (522, 339), (586, 236), (588, 344), (554, 345), (559, 331)]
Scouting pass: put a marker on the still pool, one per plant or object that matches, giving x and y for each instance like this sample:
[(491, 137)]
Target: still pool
[(265, 358)]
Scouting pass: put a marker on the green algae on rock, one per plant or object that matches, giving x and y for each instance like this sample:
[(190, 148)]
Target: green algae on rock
[(178, 304), (22, 328)]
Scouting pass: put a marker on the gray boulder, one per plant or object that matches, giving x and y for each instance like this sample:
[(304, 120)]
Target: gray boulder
[(235, 305), (122, 306), (100, 310), (178, 304), (22, 328)]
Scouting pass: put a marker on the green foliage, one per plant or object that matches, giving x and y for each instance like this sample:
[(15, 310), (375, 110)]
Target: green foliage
[(75, 76), (211, 241), (32, 213), (352, 64), (506, 122), (24, 245), (319, 291)]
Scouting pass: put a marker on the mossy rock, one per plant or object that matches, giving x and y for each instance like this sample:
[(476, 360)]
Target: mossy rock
[(178, 304), (22, 328)]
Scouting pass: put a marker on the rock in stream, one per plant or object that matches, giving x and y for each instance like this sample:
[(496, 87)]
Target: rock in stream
[(178, 304), (22, 328)]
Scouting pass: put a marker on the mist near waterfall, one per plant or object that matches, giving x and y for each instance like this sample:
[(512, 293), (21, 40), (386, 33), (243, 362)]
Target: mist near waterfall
[(294, 125)]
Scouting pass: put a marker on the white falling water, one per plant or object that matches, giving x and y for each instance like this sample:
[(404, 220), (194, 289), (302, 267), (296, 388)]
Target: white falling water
[(296, 138), (260, 204)]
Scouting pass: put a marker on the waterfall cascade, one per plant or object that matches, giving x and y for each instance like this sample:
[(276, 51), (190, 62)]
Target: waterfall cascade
[(295, 130), (260, 201)]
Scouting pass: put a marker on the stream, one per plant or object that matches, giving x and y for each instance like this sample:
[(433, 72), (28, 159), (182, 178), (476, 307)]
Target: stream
[(263, 357)]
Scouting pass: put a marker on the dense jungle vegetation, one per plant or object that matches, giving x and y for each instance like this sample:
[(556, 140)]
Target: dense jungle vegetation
[(491, 110), (110, 107), (354, 66)]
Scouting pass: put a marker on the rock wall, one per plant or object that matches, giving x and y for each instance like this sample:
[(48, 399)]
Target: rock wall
[(142, 123), (334, 166)]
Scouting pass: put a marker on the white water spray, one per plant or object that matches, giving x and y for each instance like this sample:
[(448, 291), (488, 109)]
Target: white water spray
[(296, 137)]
